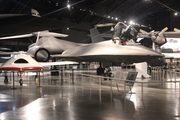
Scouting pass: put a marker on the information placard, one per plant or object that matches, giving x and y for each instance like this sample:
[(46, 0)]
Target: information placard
[(131, 77)]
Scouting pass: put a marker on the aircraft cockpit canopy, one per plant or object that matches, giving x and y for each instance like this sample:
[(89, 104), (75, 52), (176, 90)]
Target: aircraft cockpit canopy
[(21, 61)]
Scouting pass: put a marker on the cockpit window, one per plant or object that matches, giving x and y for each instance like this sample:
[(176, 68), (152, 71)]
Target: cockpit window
[(21, 61)]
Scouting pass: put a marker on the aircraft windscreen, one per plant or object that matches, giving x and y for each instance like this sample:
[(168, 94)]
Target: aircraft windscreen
[(118, 30), (129, 33), (21, 61)]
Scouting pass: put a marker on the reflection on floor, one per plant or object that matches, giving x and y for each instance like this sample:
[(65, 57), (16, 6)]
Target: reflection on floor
[(88, 99)]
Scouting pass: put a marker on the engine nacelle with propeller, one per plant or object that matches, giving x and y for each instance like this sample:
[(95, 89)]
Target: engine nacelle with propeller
[(156, 37)]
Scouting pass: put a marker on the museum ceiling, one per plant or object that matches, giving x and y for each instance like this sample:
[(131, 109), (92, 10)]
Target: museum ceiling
[(154, 14), (95, 11)]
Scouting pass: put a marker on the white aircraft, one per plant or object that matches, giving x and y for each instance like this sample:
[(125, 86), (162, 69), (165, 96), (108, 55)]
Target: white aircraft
[(21, 62)]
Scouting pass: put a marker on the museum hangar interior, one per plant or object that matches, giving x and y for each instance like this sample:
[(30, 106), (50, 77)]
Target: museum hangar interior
[(153, 14), (80, 94)]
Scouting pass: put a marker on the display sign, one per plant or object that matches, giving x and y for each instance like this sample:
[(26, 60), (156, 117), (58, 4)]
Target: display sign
[(131, 77)]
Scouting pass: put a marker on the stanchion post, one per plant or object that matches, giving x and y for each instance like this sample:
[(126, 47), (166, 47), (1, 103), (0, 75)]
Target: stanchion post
[(10, 76), (81, 80), (111, 85), (39, 79), (100, 89), (90, 81), (124, 88), (62, 77), (142, 99), (72, 76), (175, 75), (13, 81), (179, 90)]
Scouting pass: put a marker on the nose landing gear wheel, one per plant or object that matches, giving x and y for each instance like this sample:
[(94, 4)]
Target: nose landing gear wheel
[(20, 82)]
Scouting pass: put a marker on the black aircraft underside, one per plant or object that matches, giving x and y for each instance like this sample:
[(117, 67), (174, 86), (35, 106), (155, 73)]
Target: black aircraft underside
[(113, 53), (111, 58)]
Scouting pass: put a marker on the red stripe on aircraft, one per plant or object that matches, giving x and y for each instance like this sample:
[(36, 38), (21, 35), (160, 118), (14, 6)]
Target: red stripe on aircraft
[(21, 68)]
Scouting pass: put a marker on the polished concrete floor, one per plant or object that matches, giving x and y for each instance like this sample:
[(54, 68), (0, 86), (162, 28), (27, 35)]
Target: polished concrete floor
[(90, 100)]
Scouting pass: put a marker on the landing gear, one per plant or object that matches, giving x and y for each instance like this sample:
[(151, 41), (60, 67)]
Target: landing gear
[(21, 82), (36, 80), (20, 74), (6, 80), (107, 73)]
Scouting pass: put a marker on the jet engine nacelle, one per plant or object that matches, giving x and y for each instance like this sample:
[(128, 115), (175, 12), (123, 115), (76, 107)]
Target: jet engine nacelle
[(39, 53)]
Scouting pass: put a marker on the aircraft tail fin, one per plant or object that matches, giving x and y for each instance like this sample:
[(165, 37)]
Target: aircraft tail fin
[(96, 36)]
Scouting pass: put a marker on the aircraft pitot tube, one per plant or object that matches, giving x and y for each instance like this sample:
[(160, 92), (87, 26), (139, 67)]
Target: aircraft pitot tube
[(157, 37)]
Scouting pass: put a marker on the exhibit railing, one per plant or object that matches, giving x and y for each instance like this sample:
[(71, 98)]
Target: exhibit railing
[(79, 78), (100, 79)]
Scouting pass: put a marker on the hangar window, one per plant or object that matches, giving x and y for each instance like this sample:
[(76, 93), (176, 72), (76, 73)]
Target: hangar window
[(21, 61)]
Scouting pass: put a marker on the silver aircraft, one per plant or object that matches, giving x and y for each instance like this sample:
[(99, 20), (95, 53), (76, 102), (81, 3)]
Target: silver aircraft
[(115, 51)]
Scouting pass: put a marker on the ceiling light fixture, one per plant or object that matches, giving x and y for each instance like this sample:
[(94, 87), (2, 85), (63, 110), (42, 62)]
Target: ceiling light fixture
[(175, 13), (68, 5)]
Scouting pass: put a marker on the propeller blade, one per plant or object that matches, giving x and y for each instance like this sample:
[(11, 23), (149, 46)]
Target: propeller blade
[(159, 37), (143, 31)]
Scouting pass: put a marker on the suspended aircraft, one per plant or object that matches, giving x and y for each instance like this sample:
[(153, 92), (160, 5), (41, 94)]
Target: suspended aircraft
[(18, 24)]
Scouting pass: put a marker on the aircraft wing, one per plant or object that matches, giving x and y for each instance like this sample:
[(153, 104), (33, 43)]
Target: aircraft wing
[(113, 53), (172, 55), (57, 63), (6, 54), (9, 54), (166, 34), (16, 36), (18, 24)]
